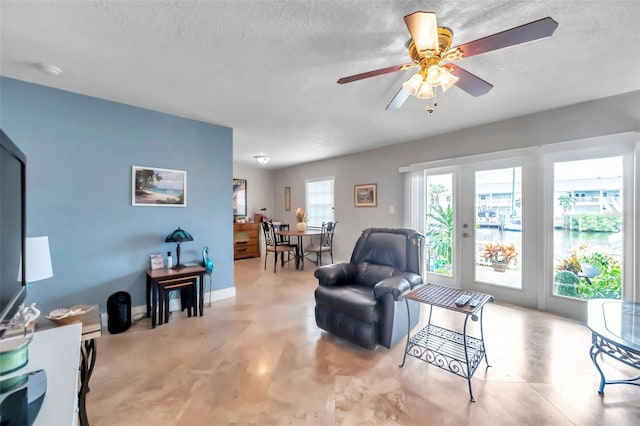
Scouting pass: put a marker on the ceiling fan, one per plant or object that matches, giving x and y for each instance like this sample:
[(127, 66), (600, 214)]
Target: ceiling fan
[(430, 49)]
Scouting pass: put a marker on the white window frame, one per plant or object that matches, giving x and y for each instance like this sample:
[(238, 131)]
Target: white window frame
[(324, 214)]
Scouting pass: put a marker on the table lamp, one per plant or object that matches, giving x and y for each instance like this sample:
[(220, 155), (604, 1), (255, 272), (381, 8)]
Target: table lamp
[(14, 353), (38, 259), (178, 236)]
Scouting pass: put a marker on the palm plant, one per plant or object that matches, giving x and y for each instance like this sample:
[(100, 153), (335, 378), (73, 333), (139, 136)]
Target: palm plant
[(440, 233), (565, 202)]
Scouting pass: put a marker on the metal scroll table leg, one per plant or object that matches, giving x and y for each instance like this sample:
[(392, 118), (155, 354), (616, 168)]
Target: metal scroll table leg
[(466, 357), (88, 361), (484, 349), (406, 346), (594, 354), (599, 346), (300, 252)]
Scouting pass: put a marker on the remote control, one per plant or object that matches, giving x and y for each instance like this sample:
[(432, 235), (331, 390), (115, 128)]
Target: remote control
[(473, 303), (462, 300)]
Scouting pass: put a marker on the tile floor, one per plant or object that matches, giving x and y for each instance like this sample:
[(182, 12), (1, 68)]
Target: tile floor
[(259, 359)]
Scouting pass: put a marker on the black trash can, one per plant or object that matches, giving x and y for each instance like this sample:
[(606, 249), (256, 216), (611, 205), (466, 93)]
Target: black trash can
[(119, 312)]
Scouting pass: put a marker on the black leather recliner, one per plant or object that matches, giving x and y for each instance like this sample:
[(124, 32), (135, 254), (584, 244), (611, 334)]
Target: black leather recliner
[(361, 301)]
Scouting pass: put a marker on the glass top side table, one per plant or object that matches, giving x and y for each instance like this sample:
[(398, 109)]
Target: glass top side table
[(615, 331)]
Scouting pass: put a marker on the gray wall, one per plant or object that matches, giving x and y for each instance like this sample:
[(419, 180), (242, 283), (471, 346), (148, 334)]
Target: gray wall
[(259, 188), (606, 116), (80, 151)]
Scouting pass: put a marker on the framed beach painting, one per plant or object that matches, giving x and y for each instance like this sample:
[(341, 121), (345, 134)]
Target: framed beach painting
[(239, 197), (152, 186), (365, 195)]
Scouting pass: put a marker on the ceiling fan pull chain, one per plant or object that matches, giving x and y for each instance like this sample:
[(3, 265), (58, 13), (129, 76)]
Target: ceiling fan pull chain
[(430, 108)]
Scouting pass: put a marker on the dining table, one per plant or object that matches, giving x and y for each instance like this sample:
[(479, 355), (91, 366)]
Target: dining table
[(299, 255)]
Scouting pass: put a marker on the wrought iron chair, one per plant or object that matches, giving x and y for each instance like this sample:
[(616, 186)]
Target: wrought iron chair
[(325, 245), (274, 244)]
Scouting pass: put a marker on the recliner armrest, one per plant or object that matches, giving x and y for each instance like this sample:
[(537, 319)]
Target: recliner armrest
[(336, 274), (414, 279), (397, 286)]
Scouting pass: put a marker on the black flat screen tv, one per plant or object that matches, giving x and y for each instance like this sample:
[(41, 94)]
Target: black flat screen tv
[(13, 169)]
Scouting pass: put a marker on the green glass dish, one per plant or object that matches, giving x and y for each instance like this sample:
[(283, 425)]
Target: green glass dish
[(14, 354)]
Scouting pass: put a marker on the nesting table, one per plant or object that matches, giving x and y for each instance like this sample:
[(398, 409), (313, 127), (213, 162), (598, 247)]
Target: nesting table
[(458, 353), (168, 276)]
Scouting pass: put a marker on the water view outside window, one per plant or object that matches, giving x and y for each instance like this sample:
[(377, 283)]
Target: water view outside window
[(498, 233), (588, 228), (439, 244)]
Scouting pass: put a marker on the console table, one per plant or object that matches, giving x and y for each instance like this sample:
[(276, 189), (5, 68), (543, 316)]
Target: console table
[(157, 277), (56, 351), (615, 331), (455, 352), (91, 330)]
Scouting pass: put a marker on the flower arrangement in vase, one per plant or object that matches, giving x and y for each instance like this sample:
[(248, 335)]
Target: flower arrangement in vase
[(301, 218), (500, 255)]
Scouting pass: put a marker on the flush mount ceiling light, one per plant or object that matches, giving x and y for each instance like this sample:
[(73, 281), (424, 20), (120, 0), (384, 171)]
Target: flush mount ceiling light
[(49, 69), (430, 49), (262, 159)]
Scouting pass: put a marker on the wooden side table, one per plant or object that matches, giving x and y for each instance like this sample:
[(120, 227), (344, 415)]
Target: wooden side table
[(156, 277)]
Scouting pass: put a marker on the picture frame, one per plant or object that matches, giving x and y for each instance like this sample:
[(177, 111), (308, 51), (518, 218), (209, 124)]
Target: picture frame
[(287, 198), (365, 195), (239, 197), (156, 187)]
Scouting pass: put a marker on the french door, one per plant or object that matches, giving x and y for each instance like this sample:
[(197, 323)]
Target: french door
[(497, 234), (548, 228), (474, 227)]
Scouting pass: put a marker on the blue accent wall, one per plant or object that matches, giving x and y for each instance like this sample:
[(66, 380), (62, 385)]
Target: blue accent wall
[(80, 151)]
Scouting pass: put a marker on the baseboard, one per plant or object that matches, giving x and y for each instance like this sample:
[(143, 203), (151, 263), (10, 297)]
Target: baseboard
[(140, 311)]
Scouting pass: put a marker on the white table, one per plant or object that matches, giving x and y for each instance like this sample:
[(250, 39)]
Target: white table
[(57, 351)]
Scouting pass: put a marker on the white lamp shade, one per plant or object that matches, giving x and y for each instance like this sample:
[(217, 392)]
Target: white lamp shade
[(38, 259), (425, 92), (412, 85), (447, 80)]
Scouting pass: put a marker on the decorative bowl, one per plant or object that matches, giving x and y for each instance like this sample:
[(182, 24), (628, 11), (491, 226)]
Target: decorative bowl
[(68, 315)]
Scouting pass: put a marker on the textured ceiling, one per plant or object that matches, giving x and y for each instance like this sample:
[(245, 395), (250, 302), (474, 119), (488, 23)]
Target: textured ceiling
[(268, 69)]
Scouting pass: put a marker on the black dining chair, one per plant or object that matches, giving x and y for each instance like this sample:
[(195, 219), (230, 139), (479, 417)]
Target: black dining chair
[(325, 245), (274, 244)]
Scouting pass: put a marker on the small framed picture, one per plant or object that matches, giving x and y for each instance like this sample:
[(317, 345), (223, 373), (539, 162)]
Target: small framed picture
[(287, 198), (157, 261), (365, 195), (151, 186)]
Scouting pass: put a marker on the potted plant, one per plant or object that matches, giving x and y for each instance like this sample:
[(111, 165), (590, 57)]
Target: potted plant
[(499, 255), (301, 218)]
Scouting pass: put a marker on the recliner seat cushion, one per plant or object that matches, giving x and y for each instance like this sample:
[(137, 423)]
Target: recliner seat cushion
[(353, 300)]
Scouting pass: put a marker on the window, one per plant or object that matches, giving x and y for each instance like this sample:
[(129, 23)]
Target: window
[(319, 201)]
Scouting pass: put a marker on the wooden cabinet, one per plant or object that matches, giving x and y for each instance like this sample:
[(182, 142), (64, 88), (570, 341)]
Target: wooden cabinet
[(246, 240)]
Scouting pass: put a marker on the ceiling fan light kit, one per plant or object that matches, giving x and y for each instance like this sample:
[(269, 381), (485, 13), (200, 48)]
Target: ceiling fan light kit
[(430, 49)]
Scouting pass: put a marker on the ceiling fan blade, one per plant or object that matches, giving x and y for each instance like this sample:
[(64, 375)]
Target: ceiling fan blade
[(470, 83), (373, 73), (423, 29), (524, 33), (398, 99)]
